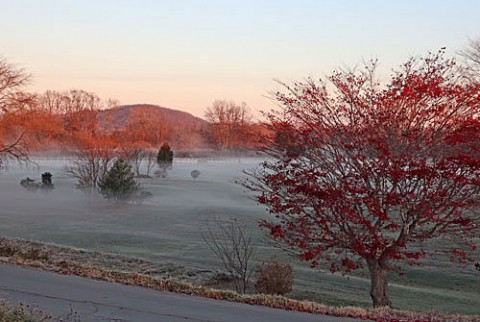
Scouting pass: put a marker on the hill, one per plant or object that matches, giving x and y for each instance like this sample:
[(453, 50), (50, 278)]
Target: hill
[(152, 125), (128, 114)]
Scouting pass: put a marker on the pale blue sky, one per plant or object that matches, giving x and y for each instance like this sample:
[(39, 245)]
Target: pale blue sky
[(185, 54)]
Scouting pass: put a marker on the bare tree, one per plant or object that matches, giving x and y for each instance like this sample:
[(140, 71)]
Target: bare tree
[(111, 103), (230, 243), (134, 156), (150, 161), (53, 102), (90, 166), (12, 99), (137, 156), (229, 124), (81, 111), (472, 55)]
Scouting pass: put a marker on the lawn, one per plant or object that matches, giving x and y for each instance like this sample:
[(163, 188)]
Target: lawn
[(167, 228)]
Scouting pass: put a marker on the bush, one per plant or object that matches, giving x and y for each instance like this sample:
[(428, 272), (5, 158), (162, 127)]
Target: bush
[(29, 184), (195, 174), (274, 277), (118, 183), (47, 179)]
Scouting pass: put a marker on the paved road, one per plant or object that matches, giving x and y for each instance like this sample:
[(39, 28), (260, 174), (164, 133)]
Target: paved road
[(104, 301)]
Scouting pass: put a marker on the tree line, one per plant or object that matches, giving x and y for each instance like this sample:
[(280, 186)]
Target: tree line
[(62, 120)]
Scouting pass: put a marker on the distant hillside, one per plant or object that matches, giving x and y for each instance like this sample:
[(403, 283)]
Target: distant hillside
[(122, 115)]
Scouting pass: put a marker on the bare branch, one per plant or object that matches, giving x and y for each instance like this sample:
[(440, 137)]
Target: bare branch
[(229, 242)]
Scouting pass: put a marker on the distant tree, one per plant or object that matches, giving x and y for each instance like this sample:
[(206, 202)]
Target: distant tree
[(165, 159), (46, 124), (111, 103), (375, 170), (47, 180), (73, 116), (229, 124), (81, 113), (69, 118), (119, 182), (12, 100)]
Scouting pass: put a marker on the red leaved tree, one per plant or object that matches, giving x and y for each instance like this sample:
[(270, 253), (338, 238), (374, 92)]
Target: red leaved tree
[(362, 171)]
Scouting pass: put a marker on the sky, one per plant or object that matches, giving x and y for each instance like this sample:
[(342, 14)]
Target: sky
[(184, 54)]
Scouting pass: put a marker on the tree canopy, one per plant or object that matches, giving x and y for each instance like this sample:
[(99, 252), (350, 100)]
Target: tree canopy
[(364, 170)]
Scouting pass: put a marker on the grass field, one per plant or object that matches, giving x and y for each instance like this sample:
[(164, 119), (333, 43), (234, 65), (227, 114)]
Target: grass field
[(167, 228)]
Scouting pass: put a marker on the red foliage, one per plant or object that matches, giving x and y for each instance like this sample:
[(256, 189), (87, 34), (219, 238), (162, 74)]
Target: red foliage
[(365, 171)]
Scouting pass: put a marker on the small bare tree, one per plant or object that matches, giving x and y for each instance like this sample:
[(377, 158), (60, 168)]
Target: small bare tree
[(229, 242), (89, 166), (228, 124), (134, 156), (150, 161), (472, 55)]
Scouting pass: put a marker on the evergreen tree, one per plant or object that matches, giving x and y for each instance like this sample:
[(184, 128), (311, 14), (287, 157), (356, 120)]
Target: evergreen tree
[(118, 183), (47, 181), (165, 158)]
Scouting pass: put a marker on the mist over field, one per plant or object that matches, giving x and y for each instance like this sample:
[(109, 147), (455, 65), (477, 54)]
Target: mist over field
[(167, 228), (158, 227)]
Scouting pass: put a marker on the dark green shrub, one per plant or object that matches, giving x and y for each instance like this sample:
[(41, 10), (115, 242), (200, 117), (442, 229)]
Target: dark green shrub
[(165, 159), (47, 179), (119, 183)]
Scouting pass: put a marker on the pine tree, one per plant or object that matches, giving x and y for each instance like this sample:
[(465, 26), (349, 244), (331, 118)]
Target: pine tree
[(118, 183), (165, 158), (47, 181)]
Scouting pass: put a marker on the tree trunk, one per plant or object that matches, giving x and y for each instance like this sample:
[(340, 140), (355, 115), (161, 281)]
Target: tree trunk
[(378, 291)]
